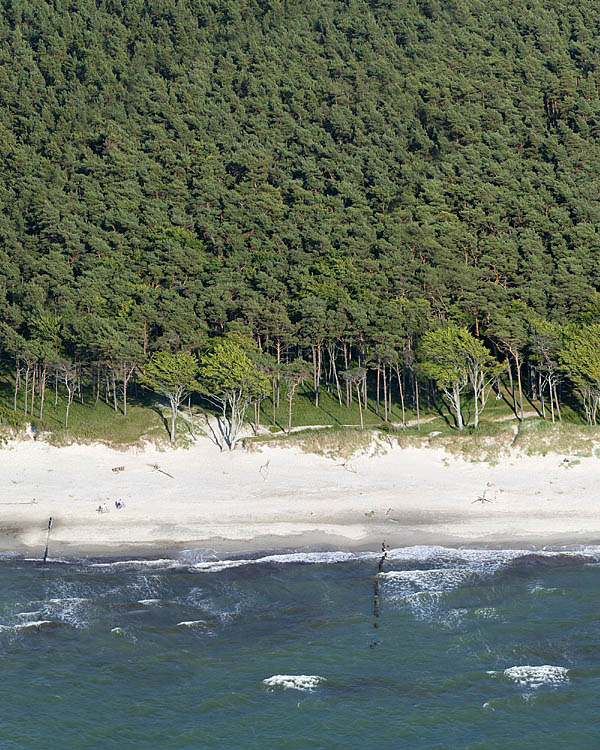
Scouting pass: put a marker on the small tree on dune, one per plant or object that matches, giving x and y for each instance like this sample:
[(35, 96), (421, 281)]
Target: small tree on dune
[(68, 376), (173, 376), (293, 374), (231, 379), (580, 360), (356, 377), (454, 359)]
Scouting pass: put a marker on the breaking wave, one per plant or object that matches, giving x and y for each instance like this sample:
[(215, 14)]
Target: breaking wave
[(534, 677), (305, 682)]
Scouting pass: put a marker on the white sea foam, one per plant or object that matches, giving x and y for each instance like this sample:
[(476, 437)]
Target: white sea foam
[(122, 633), (310, 557), (161, 563), (481, 559), (423, 591), (71, 610), (306, 682), (486, 613), (535, 677), (487, 557), (540, 590), (33, 625), (314, 558), (434, 580), (218, 565)]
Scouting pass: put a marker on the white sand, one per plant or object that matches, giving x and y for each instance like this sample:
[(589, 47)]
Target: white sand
[(282, 498)]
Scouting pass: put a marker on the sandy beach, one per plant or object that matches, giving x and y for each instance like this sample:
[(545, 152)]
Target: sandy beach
[(281, 498)]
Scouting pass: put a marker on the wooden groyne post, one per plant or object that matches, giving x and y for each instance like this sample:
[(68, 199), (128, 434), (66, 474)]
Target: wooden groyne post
[(47, 540), (376, 593)]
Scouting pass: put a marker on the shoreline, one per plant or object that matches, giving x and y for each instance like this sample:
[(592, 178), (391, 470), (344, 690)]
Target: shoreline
[(279, 498), (225, 548)]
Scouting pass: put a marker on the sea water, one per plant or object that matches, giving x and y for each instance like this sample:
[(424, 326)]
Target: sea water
[(472, 649)]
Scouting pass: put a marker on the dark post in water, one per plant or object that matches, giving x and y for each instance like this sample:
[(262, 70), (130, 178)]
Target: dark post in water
[(47, 541), (376, 595)]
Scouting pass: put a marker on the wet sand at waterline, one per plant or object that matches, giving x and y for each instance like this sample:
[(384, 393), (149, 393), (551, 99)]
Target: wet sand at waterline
[(281, 498)]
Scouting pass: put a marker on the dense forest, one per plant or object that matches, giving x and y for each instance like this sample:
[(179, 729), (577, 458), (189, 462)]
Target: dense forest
[(332, 180)]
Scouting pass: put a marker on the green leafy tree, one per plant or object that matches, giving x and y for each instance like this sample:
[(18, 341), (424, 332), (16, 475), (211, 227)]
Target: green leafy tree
[(442, 361), (231, 379), (580, 360), (172, 376), (454, 359)]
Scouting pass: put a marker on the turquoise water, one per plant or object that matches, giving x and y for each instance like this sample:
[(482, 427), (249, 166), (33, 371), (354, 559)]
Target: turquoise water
[(473, 649)]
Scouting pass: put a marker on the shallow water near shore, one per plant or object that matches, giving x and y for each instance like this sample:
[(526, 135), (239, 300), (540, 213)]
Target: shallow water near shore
[(473, 649)]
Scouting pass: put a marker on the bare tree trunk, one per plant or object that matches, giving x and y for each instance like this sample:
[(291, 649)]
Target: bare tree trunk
[(557, 404), (315, 388), (385, 396), (320, 356), (362, 424), (173, 418), (17, 381), (417, 403), (125, 381), (43, 389), (378, 369), (278, 356), (70, 395), (114, 389), (127, 369), (33, 381), (26, 399), (331, 352), (348, 384), (401, 389), (518, 366), (512, 388), (317, 360), (457, 409)]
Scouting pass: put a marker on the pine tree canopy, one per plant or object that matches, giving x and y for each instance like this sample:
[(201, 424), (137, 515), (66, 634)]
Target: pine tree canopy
[(331, 179)]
